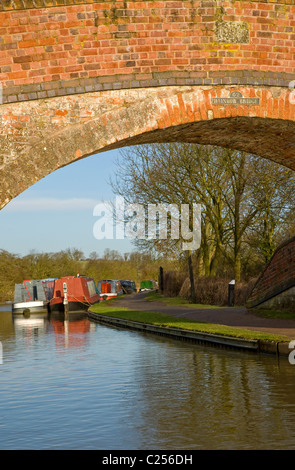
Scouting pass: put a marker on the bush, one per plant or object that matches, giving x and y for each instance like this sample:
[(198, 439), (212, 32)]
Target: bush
[(173, 280), (210, 291), (243, 290)]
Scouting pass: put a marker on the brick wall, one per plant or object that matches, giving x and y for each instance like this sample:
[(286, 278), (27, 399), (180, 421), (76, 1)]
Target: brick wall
[(58, 47), (277, 277)]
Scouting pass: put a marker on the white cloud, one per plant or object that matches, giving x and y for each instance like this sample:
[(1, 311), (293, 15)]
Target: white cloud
[(50, 204)]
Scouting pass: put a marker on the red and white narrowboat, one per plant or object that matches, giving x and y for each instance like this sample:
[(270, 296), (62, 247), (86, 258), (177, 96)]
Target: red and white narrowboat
[(109, 289), (80, 292)]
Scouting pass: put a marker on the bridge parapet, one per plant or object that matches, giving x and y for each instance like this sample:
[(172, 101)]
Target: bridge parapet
[(52, 48)]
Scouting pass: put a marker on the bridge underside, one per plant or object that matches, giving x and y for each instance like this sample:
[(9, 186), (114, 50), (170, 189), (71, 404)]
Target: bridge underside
[(38, 137), (268, 138)]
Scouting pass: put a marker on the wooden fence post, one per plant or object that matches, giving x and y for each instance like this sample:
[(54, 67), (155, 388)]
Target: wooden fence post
[(161, 280)]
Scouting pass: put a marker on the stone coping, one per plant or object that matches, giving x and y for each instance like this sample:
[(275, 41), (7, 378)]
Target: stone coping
[(258, 346), (44, 90)]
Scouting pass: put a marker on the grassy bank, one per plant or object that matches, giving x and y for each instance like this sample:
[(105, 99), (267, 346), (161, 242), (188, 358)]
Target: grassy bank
[(282, 314), (263, 313), (160, 319), (155, 296)]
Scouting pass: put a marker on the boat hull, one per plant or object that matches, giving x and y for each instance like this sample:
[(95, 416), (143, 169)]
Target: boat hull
[(108, 296), (73, 306), (35, 306)]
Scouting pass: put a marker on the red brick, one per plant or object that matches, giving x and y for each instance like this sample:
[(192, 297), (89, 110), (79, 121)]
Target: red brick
[(79, 45)]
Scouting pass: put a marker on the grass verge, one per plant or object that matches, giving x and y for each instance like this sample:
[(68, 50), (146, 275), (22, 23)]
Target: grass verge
[(161, 319), (263, 313), (154, 296), (284, 315)]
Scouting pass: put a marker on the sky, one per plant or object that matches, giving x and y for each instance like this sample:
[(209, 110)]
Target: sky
[(56, 213)]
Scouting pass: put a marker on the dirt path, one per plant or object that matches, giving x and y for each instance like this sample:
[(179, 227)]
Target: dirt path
[(238, 317)]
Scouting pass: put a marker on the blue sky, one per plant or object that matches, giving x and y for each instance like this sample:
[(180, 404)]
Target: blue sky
[(56, 213)]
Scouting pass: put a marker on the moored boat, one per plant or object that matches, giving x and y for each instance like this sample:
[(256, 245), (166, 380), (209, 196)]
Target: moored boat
[(81, 293), (148, 285), (109, 289), (32, 296), (128, 286)]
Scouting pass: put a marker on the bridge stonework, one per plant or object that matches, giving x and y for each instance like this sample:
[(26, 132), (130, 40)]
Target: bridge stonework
[(275, 287), (79, 77)]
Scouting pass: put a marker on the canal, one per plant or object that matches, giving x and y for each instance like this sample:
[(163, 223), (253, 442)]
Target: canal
[(80, 385)]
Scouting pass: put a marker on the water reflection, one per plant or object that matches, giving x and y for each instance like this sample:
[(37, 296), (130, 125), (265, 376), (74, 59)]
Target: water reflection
[(70, 331), (30, 328), (70, 383), (220, 401)]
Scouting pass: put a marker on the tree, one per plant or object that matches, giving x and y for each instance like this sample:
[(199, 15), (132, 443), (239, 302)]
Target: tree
[(242, 207), (175, 175), (273, 188), (239, 193)]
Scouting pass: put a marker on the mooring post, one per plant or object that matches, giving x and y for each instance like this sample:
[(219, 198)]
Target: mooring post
[(231, 293)]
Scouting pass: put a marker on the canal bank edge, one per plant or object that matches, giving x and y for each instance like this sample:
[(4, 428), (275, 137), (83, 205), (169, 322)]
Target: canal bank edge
[(262, 346)]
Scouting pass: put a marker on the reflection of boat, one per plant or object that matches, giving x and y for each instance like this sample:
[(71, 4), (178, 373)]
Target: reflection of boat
[(81, 293), (109, 289), (32, 296), (70, 333), (32, 327)]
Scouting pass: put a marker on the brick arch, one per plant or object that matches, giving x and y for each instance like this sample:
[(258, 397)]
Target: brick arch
[(78, 77), (40, 136)]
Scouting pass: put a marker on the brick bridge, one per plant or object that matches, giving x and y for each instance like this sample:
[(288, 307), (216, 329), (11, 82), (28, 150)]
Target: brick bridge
[(79, 77)]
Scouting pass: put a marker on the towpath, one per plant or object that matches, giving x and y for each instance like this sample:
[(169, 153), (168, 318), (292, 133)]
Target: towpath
[(232, 316)]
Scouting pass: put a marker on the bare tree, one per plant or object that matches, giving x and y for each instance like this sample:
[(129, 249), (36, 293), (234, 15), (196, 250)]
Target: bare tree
[(240, 194)]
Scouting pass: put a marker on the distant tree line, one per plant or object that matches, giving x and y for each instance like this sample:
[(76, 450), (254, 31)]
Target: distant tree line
[(111, 265)]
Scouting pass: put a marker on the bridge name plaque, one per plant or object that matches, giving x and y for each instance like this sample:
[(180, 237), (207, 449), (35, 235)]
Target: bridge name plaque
[(236, 98)]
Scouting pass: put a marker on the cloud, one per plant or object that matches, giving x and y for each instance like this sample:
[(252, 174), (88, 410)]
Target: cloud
[(50, 204)]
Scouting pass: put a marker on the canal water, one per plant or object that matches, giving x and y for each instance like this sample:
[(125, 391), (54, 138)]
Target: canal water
[(80, 385)]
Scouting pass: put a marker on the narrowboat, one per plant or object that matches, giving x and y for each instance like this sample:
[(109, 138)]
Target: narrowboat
[(148, 285), (79, 291), (32, 296), (128, 286), (109, 289)]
